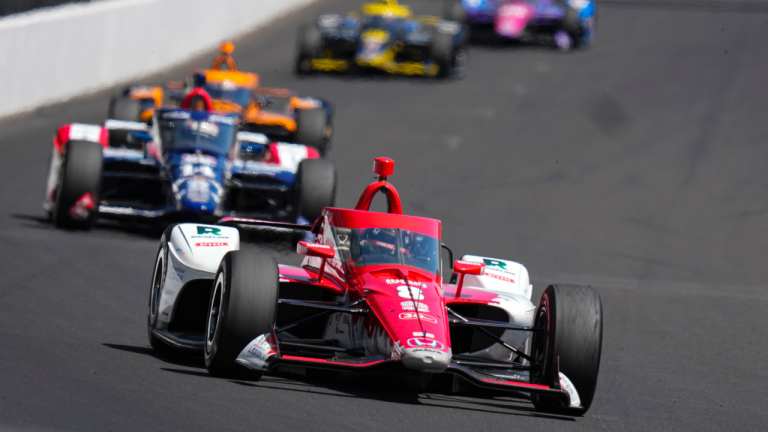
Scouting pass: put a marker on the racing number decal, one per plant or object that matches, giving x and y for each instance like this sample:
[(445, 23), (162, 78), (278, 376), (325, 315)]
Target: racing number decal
[(402, 291)]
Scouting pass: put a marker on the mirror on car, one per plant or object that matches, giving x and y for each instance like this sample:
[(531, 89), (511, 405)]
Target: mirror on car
[(139, 137), (318, 250), (468, 267)]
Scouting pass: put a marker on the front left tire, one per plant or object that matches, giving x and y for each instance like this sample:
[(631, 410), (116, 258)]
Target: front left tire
[(310, 45), (77, 192), (571, 319)]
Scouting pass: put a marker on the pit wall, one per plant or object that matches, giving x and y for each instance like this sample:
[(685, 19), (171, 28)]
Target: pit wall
[(52, 55)]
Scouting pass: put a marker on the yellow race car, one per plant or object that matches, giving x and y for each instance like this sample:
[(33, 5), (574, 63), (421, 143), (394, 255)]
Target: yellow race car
[(383, 36)]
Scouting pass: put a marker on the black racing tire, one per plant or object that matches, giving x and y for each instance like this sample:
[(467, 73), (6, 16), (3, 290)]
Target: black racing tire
[(572, 317), (123, 108), (80, 174), (572, 25), (454, 11), (310, 46), (243, 306), (442, 52), (156, 291), (312, 129), (315, 188)]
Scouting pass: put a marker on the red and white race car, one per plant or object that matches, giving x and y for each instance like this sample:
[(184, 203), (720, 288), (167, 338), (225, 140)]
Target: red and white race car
[(370, 296)]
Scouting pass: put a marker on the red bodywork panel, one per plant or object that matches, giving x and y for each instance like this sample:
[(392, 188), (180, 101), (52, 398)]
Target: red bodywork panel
[(74, 131)]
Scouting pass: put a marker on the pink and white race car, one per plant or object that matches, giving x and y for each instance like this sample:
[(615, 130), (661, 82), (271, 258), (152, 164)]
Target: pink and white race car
[(370, 296)]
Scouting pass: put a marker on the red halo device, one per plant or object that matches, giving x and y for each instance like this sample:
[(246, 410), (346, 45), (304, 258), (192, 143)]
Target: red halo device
[(383, 167)]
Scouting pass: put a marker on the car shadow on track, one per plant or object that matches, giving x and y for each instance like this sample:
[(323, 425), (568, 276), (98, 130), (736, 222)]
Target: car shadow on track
[(178, 359), (379, 388), (476, 401), (104, 227)]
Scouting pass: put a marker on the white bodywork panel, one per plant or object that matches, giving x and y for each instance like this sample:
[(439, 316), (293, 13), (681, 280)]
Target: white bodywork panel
[(500, 276), (508, 280), (257, 354), (194, 252)]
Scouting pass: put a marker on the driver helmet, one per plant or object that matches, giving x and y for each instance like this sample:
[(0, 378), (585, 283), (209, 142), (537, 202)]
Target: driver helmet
[(379, 241), (198, 79)]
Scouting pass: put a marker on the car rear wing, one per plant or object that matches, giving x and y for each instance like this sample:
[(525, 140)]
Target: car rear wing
[(262, 223)]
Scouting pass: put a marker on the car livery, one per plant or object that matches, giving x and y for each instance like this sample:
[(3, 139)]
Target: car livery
[(386, 37), (566, 23), (370, 296), (188, 165)]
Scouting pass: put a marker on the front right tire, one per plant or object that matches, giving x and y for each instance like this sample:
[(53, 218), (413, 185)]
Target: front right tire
[(123, 108), (315, 188), (312, 129), (243, 306)]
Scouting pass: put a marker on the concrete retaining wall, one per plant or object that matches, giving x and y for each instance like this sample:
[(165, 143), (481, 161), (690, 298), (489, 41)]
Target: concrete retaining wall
[(56, 54)]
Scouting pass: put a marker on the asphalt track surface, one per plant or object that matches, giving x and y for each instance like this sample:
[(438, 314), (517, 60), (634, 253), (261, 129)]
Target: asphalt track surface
[(637, 167)]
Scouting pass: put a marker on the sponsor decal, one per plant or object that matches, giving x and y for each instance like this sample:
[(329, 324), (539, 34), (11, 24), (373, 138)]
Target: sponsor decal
[(190, 158), (179, 250), (84, 132), (258, 352), (402, 282), (418, 315), (497, 266), (177, 274), (427, 335), (420, 342), (382, 244), (212, 244), (208, 230), (415, 293), (426, 350), (409, 306), (222, 119), (499, 277), (176, 115), (82, 206)]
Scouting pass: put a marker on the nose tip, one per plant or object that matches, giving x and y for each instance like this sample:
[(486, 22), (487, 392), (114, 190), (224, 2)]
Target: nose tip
[(426, 360)]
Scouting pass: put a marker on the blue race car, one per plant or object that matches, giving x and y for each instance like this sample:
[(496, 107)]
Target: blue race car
[(567, 24), (188, 165)]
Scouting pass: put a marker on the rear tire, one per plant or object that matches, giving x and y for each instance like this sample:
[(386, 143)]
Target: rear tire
[(123, 108), (573, 318), (572, 26), (443, 54), (310, 47), (156, 291), (454, 11), (79, 175), (312, 129), (243, 306), (315, 188)]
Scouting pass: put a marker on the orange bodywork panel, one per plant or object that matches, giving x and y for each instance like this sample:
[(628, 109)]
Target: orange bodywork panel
[(225, 106), (257, 116), (242, 79), (155, 93)]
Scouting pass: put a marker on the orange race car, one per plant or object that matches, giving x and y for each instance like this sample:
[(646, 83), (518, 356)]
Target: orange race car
[(280, 114)]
